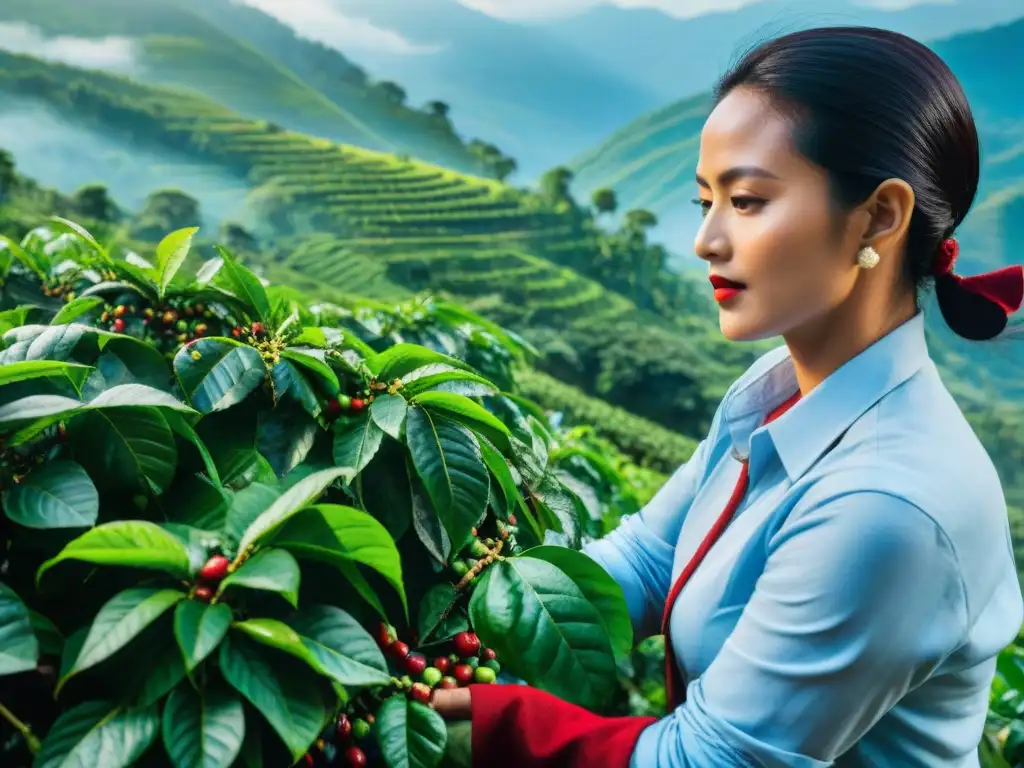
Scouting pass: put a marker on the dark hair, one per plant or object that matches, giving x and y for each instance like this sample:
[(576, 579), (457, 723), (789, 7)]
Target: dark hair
[(869, 105)]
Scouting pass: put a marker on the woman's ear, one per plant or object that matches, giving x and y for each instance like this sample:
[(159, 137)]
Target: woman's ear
[(889, 210)]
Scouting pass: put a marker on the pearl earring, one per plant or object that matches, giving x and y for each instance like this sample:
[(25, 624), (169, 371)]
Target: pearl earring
[(867, 257)]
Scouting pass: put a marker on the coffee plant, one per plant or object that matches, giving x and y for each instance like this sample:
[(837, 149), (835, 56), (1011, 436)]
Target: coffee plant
[(241, 531)]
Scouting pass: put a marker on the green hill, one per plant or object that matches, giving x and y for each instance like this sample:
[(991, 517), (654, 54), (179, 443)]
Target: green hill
[(606, 316), (253, 64)]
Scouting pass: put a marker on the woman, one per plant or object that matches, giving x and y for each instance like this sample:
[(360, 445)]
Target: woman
[(855, 578)]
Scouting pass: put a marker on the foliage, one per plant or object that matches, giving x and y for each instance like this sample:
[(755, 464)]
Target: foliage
[(239, 515)]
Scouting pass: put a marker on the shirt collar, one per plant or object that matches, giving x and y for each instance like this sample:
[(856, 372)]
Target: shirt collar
[(807, 430)]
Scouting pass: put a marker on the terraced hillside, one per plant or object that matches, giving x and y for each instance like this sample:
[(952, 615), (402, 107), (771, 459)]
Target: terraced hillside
[(249, 62), (334, 214)]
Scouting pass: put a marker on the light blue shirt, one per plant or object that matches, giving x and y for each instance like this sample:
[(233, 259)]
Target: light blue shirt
[(852, 611)]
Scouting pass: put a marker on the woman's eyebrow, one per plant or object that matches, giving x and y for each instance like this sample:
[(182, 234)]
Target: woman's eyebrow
[(741, 171)]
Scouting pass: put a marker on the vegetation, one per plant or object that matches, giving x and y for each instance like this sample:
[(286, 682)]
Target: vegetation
[(209, 458), (252, 63)]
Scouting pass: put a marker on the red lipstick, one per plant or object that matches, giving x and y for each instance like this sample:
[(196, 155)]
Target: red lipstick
[(725, 289)]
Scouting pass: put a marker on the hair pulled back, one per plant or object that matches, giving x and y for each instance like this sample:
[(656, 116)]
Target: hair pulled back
[(869, 105)]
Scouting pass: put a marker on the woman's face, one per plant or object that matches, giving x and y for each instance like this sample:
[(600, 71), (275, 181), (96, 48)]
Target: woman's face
[(778, 260)]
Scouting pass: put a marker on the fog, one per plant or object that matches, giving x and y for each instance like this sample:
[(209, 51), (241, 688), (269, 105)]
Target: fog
[(65, 156)]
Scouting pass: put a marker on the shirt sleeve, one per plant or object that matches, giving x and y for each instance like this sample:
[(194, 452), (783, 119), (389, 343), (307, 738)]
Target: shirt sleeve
[(861, 599), (639, 552)]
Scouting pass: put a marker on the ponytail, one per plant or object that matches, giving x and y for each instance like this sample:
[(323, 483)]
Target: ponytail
[(979, 307)]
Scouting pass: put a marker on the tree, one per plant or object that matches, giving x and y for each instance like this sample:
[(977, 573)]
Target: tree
[(640, 220), (237, 238), (8, 177), (93, 201), (493, 162), (438, 109), (392, 92), (554, 185), (166, 210), (604, 200)]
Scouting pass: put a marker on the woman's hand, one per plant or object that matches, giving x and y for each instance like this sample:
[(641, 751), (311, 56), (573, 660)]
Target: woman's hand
[(452, 703)]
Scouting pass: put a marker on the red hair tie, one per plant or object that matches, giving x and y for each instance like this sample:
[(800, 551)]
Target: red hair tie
[(1004, 287), (948, 251)]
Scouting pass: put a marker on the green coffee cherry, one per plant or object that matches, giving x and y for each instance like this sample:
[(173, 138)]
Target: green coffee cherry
[(432, 676), (360, 729), (484, 675)]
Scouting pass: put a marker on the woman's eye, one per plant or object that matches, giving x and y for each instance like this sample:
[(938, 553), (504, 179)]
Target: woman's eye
[(705, 206), (745, 204)]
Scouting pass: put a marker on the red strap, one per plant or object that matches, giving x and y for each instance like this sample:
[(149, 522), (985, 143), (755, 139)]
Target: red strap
[(675, 684), (516, 726)]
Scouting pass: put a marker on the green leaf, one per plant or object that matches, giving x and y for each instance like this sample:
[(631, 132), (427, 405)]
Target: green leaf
[(285, 436), (224, 375), (271, 570), (56, 495), (331, 533), (245, 285), (164, 669), (75, 309), (132, 543), (345, 651), (51, 641), (410, 734), (388, 412), (464, 411), (20, 254), (561, 506), (277, 634), (199, 629), (19, 649), (462, 383), (120, 619), (545, 630), (246, 505), (289, 381), (203, 729), (171, 253), (448, 460), (314, 363), (401, 359), (83, 233), (428, 525), (37, 369), (181, 427), (288, 700), (438, 619), (99, 733), (292, 501), (42, 411), (499, 468), (125, 448), (41, 342), (357, 443), (603, 592)]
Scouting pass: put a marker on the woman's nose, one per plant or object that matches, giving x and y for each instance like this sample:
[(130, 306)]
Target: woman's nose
[(710, 243)]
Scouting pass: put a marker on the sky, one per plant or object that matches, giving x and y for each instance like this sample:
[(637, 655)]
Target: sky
[(321, 20), (535, 9)]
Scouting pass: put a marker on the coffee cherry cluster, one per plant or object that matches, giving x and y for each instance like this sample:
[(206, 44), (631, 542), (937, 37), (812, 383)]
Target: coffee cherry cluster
[(467, 664), (481, 552), (347, 403), (210, 576)]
